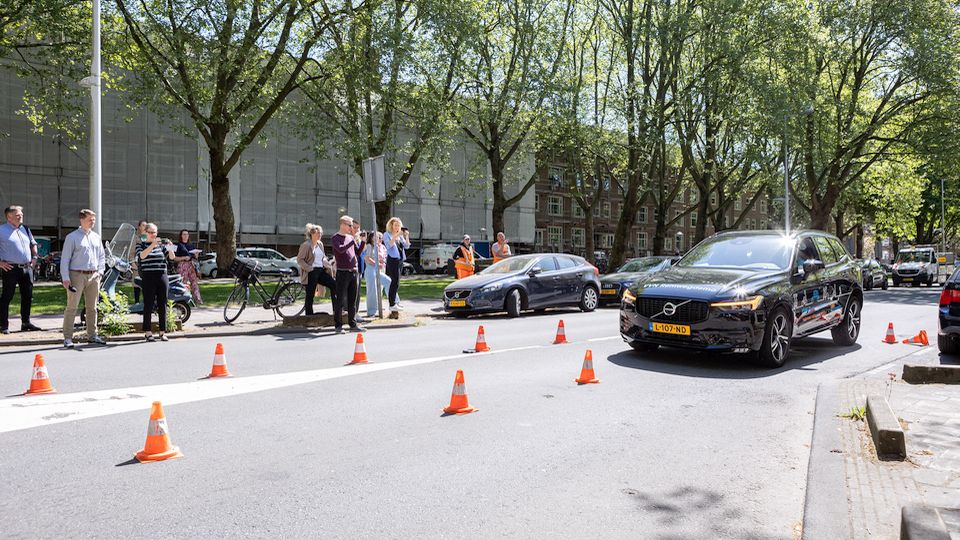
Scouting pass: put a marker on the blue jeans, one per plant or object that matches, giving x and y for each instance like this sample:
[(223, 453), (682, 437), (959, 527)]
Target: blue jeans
[(371, 277)]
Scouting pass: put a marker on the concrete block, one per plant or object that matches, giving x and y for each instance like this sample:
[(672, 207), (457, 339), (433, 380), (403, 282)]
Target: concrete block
[(922, 522), (317, 320), (885, 428), (927, 374)]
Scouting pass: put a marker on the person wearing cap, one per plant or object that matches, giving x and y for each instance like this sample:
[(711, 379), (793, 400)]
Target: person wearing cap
[(18, 254), (464, 257), (82, 263), (500, 249)]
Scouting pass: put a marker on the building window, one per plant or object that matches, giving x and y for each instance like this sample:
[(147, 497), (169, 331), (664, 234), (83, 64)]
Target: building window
[(555, 206), (596, 210), (578, 237), (693, 220), (679, 242), (555, 236), (538, 237), (668, 244), (536, 202), (577, 210), (763, 224), (606, 209), (642, 215), (606, 182), (676, 214), (656, 214), (737, 205), (763, 205), (753, 224), (641, 241), (713, 199), (555, 177), (693, 196)]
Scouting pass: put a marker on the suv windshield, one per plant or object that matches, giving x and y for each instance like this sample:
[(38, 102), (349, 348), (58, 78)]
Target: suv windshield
[(509, 266), (641, 265), (764, 252), (914, 256)]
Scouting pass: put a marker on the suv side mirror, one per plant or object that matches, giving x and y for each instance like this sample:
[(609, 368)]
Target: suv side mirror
[(534, 271), (812, 266)]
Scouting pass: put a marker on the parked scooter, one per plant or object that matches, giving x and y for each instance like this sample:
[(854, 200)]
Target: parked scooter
[(118, 265)]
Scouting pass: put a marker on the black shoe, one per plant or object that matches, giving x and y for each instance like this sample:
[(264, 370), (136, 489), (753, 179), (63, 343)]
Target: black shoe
[(4, 330), (357, 328), (30, 328), (151, 339), (339, 330)]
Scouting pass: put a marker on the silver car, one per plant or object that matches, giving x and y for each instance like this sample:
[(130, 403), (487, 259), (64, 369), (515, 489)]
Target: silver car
[(271, 261)]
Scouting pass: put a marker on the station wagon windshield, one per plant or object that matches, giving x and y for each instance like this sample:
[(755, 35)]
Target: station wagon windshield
[(767, 252), (509, 266)]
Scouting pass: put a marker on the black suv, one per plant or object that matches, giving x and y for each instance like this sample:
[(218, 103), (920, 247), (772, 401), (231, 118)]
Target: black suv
[(948, 338), (748, 291)]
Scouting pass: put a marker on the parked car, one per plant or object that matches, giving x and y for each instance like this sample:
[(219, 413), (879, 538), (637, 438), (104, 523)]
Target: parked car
[(749, 291), (613, 285), (408, 269), (948, 336), (208, 264), (433, 259), (916, 266), (271, 261), (873, 274), (526, 282)]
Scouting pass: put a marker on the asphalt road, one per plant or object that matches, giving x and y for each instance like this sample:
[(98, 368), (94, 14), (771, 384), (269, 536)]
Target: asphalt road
[(668, 445)]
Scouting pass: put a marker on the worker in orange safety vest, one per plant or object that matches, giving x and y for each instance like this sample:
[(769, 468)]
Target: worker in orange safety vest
[(464, 258)]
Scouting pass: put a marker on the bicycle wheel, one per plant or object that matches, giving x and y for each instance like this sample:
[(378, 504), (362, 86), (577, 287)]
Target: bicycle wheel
[(291, 300), (236, 302)]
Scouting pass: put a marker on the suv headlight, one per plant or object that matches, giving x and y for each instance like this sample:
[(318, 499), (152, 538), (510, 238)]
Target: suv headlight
[(629, 297), (751, 303)]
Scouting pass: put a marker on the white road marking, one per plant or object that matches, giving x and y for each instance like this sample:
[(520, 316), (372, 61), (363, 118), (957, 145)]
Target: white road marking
[(34, 411)]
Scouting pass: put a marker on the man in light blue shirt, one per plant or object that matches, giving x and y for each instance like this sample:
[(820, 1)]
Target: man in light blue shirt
[(82, 263), (18, 254)]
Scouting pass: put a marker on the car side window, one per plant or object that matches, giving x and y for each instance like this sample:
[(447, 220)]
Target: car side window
[(807, 252), (565, 263), (548, 264), (841, 251), (826, 251)]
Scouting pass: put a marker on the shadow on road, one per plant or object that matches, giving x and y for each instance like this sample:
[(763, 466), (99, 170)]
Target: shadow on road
[(804, 353), (911, 296), (695, 512)]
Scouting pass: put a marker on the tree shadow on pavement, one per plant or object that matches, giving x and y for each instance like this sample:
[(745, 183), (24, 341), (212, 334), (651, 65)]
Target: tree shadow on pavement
[(691, 512), (804, 353), (912, 296)]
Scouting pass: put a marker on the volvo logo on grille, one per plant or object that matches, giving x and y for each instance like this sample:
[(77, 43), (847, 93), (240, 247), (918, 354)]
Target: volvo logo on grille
[(669, 309)]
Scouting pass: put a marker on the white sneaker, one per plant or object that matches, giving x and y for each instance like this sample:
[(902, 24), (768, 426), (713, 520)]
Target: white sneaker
[(68, 344), (394, 308)]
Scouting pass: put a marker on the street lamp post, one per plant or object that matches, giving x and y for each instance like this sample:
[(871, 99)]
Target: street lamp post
[(943, 220), (807, 111), (93, 83)]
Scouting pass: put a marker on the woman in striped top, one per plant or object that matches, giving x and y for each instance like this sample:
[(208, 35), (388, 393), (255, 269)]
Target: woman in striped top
[(152, 255)]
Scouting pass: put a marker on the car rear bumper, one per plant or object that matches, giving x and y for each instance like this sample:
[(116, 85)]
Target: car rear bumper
[(726, 331), (948, 325)]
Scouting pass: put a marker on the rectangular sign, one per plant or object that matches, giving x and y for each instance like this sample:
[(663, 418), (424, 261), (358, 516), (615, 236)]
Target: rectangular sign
[(374, 179)]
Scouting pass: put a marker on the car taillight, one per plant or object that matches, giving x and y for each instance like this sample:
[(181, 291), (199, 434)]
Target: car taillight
[(950, 296), (596, 271)]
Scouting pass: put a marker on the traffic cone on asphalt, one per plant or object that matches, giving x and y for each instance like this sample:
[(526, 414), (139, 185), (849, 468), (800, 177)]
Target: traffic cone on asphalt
[(157, 447), (561, 334), (919, 339), (586, 372), (891, 337), (40, 381), (481, 345), (459, 403), (359, 352), (219, 363)]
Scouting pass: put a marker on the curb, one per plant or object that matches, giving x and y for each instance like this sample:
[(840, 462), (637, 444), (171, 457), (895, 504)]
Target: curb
[(921, 522), (926, 374), (826, 473), (212, 334), (885, 429)]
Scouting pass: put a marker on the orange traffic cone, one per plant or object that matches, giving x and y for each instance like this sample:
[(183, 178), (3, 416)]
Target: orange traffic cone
[(919, 339), (157, 447), (586, 373), (891, 337), (481, 345), (561, 334), (219, 363), (459, 403), (359, 352), (40, 381)]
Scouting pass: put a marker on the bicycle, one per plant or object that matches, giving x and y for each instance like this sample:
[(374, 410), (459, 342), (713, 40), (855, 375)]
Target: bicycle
[(288, 298)]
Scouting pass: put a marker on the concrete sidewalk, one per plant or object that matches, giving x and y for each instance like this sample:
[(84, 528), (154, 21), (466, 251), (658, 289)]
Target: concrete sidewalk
[(844, 465), (209, 322)]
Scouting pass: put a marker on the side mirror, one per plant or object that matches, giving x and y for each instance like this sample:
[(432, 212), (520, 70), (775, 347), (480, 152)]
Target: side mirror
[(534, 271), (812, 266)]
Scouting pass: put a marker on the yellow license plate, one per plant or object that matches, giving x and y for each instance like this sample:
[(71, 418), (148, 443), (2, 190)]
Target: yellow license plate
[(608, 291), (458, 303), (667, 328), (908, 279)]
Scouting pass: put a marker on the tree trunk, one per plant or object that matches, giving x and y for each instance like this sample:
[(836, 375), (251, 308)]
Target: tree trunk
[(859, 241), (628, 213), (702, 209), (588, 234), (383, 213), (223, 218), (838, 224)]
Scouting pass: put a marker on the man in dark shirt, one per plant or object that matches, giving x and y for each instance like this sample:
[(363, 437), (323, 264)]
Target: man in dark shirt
[(360, 237), (345, 249)]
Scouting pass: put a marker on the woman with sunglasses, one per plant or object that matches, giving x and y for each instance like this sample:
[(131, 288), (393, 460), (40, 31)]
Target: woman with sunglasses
[(152, 256)]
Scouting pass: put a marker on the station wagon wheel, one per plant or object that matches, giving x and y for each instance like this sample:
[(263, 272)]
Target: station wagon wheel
[(514, 303), (847, 332), (589, 299), (776, 339)]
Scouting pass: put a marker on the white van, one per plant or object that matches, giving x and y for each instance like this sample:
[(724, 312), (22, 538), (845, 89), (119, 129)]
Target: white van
[(434, 258)]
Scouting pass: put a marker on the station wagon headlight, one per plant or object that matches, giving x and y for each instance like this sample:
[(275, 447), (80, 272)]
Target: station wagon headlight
[(629, 297), (751, 303), (491, 288)]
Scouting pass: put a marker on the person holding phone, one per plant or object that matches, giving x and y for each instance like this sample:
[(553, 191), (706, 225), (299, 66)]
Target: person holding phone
[(82, 263), (395, 240), (186, 256), (313, 264), (152, 256), (132, 258)]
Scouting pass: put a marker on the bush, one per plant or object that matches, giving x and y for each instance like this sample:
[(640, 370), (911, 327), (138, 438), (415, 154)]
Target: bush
[(113, 315), (171, 317)]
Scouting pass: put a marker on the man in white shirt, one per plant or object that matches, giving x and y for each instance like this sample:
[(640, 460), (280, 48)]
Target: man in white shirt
[(82, 263)]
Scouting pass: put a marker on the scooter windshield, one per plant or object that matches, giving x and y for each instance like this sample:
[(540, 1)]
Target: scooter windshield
[(122, 241)]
